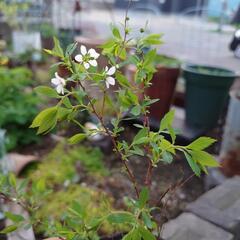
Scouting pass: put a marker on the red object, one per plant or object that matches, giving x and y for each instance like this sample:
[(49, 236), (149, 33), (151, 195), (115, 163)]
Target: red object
[(162, 88), (77, 7)]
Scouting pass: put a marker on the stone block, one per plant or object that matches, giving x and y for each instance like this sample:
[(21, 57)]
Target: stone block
[(190, 227), (220, 206)]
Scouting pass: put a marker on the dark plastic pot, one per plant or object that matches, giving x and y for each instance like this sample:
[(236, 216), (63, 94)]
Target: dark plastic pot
[(162, 88), (206, 93)]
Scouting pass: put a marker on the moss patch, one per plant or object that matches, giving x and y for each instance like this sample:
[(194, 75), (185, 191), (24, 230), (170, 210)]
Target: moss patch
[(95, 204), (60, 165)]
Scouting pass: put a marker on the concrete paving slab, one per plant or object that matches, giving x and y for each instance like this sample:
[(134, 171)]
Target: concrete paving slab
[(190, 227), (220, 206)]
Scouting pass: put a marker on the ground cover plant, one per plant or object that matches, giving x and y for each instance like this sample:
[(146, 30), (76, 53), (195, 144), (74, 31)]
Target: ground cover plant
[(18, 106), (73, 97)]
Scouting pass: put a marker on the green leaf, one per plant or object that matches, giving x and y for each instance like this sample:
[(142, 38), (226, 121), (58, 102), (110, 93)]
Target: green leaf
[(9, 229), (141, 133), (57, 48), (167, 120), (47, 91), (146, 234), (63, 113), (77, 138), (45, 120), (67, 102), (14, 217), (138, 151), (136, 110), (147, 220), (201, 143), (116, 32), (152, 39), (141, 141), (143, 197), (172, 133), (12, 180), (196, 169), (134, 234), (77, 209), (71, 48), (121, 217), (204, 158), (167, 157), (122, 80), (41, 185)]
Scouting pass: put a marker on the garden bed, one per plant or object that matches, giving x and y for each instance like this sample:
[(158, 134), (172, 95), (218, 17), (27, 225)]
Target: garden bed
[(109, 178)]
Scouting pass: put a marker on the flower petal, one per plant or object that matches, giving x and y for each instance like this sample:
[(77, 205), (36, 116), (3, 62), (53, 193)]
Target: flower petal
[(92, 52), (55, 81), (60, 89), (110, 80), (83, 50), (107, 84), (79, 58), (111, 71), (86, 65), (93, 63), (63, 81)]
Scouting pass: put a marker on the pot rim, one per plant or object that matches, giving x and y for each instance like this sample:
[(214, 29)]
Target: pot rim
[(189, 67)]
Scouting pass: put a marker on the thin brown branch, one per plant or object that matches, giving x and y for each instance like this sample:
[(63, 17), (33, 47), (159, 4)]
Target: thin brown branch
[(100, 118)]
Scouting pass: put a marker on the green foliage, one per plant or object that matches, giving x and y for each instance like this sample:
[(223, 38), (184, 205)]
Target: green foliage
[(59, 168), (18, 106), (65, 159), (47, 30), (85, 203)]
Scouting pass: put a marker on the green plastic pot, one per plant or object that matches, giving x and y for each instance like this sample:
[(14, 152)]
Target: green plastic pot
[(206, 93)]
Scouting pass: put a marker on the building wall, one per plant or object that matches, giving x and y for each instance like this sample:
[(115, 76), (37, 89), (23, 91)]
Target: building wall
[(180, 6), (215, 6)]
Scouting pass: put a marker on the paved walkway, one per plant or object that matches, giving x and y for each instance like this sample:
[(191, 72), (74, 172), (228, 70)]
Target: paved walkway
[(214, 216)]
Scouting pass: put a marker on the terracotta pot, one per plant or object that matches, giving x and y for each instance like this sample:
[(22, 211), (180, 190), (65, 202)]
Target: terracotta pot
[(47, 43), (163, 87)]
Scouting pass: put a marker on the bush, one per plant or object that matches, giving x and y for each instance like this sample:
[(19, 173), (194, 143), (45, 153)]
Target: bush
[(18, 106)]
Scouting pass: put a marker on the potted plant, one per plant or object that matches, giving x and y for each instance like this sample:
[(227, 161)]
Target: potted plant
[(47, 31), (206, 93), (153, 146), (230, 149)]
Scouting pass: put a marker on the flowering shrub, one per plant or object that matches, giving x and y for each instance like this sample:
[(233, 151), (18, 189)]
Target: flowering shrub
[(73, 96)]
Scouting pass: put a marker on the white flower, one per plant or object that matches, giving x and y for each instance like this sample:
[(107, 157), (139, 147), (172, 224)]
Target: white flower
[(87, 58), (58, 83), (110, 80)]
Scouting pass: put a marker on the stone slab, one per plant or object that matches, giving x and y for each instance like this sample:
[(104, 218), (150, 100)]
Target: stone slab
[(190, 227), (21, 233), (220, 206)]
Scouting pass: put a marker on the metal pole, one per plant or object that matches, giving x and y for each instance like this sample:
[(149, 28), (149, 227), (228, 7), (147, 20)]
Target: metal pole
[(223, 10)]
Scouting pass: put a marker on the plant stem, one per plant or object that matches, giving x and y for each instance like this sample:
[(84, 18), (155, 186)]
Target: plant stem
[(100, 118)]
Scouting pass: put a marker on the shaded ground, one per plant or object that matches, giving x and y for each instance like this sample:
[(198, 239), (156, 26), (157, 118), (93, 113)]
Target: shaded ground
[(171, 201)]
